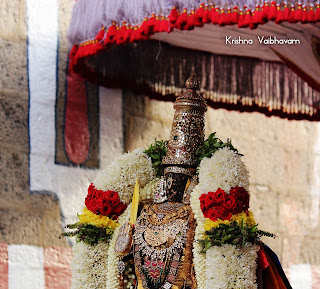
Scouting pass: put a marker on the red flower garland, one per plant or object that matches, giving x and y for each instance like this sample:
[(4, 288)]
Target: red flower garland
[(105, 203), (220, 205)]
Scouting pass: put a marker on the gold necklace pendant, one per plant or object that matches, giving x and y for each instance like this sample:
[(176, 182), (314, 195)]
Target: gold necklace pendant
[(155, 238), (158, 235)]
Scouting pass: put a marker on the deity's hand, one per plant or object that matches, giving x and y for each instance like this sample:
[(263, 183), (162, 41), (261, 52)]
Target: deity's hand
[(124, 240)]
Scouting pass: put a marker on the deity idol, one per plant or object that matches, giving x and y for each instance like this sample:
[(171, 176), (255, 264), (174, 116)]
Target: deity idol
[(194, 227), (164, 231)]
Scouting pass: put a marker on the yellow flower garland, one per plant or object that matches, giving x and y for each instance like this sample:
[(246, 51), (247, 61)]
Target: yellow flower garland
[(247, 220), (96, 220)]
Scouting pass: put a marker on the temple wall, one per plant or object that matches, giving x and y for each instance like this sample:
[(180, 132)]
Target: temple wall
[(41, 189), (25, 218), (39, 195)]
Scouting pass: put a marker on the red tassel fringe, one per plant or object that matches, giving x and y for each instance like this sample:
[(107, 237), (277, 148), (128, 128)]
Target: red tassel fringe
[(286, 12), (200, 12), (234, 16), (215, 16), (223, 18), (173, 17), (127, 34), (272, 15), (100, 35), (240, 19), (292, 18), (206, 16), (317, 14), (247, 19), (265, 10), (304, 15), (280, 15), (190, 23), (298, 13), (256, 16), (310, 17), (111, 33), (196, 18)]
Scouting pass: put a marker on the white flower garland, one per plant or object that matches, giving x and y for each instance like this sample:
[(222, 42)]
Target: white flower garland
[(113, 276), (89, 266), (148, 191), (230, 267), (199, 259), (121, 175), (223, 170)]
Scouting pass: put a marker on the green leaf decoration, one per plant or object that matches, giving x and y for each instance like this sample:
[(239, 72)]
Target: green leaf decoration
[(157, 151), (211, 145), (88, 233), (233, 233)]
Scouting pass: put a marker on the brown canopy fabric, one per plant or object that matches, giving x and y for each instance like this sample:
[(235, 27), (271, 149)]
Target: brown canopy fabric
[(273, 69)]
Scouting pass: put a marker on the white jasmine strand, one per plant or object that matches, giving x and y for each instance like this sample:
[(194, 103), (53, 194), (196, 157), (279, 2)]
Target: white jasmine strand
[(223, 170), (231, 267), (121, 175)]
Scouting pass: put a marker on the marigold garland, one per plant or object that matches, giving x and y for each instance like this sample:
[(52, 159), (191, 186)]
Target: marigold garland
[(247, 218), (231, 201), (88, 217)]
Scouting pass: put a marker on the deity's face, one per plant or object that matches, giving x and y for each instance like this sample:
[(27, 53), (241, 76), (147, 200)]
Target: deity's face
[(175, 186)]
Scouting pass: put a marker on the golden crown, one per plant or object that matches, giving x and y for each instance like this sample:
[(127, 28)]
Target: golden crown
[(187, 132)]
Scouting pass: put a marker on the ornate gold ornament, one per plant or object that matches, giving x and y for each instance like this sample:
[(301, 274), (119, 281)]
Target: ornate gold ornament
[(161, 193), (180, 170), (124, 240), (187, 132)]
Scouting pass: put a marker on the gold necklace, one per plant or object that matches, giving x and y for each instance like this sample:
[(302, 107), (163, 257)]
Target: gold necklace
[(149, 236)]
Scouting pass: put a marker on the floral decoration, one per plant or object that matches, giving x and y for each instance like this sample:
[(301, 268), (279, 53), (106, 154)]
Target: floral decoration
[(94, 227), (89, 266), (220, 205), (100, 221), (246, 217), (199, 259), (148, 192), (157, 151), (91, 228), (211, 145), (121, 175), (227, 236), (234, 234), (232, 267), (106, 203), (224, 170)]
